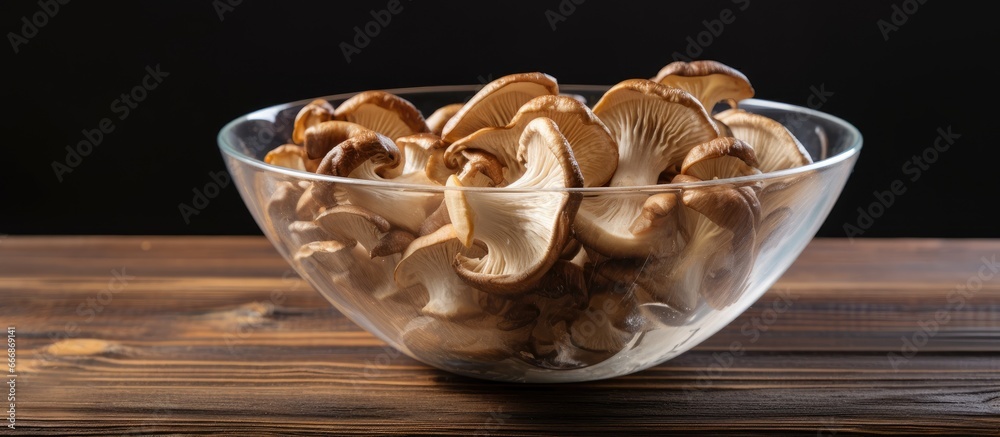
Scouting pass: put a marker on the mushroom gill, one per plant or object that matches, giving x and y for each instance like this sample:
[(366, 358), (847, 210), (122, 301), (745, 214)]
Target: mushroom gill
[(524, 225)]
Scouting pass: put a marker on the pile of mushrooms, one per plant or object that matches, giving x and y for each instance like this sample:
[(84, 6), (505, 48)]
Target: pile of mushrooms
[(531, 269)]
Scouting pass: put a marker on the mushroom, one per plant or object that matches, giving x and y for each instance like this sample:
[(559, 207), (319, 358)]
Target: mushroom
[(440, 117), (497, 102), (718, 226), (332, 257), (289, 156), (313, 113), (654, 126), (593, 147), (650, 283), (372, 156), (434, 340), (281, 209), (608, 323), (775, 146), (720, 158), (382, 112), (350, 224), (427, 263), (709, 81), (423, 160), (526, 224)]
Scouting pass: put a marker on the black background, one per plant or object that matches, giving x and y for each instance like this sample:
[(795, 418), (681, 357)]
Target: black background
[(935, 70)]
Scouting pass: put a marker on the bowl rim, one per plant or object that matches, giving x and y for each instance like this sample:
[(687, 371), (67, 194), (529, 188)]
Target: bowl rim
[(269, 113)]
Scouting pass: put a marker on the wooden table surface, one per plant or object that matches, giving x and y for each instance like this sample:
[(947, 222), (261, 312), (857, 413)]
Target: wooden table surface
[(216, 335)]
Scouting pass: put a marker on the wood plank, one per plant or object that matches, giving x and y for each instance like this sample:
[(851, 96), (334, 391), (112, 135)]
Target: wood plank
[(195, 344)]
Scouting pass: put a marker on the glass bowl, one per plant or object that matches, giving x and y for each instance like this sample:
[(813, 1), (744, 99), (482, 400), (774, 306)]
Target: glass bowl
[(591, 316)]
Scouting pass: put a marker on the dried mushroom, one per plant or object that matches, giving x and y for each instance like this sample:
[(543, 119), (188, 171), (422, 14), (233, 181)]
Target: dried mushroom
[(709, 81), (496, 104), (382, 112), (593, 147), (474, 236), (655, 126), (524, 229)]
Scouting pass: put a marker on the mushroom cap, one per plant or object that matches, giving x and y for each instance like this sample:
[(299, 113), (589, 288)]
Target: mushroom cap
[(289, 156), (524, 229), (333, 257), (720, 158), (372, 156), (497, 102), (654, 126), (315, 112), (710, 81), (593, 147), (382, 112), (775, 146), (427, 263), (323, 137), (350, 224), (440, 117)]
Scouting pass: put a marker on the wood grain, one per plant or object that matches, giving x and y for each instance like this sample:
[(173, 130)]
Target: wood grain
[(216, 335)]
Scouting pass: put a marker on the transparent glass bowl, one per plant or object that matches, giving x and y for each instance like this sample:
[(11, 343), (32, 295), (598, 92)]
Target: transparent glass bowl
[(617, 316)]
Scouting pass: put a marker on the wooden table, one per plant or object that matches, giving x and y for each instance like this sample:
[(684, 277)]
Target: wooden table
[(215, 335)]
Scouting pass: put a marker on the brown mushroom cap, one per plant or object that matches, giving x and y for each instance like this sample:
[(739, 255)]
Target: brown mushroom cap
[(593, 147), (710, 81), (323, 137), (720, 158), (313, 113), (523, 229), (497, 102), (372, 156), (440, 117), (292, 156), (775, 146), (382, 112)]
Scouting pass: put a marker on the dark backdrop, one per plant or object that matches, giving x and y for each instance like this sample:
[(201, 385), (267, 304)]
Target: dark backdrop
[(899, 70)]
